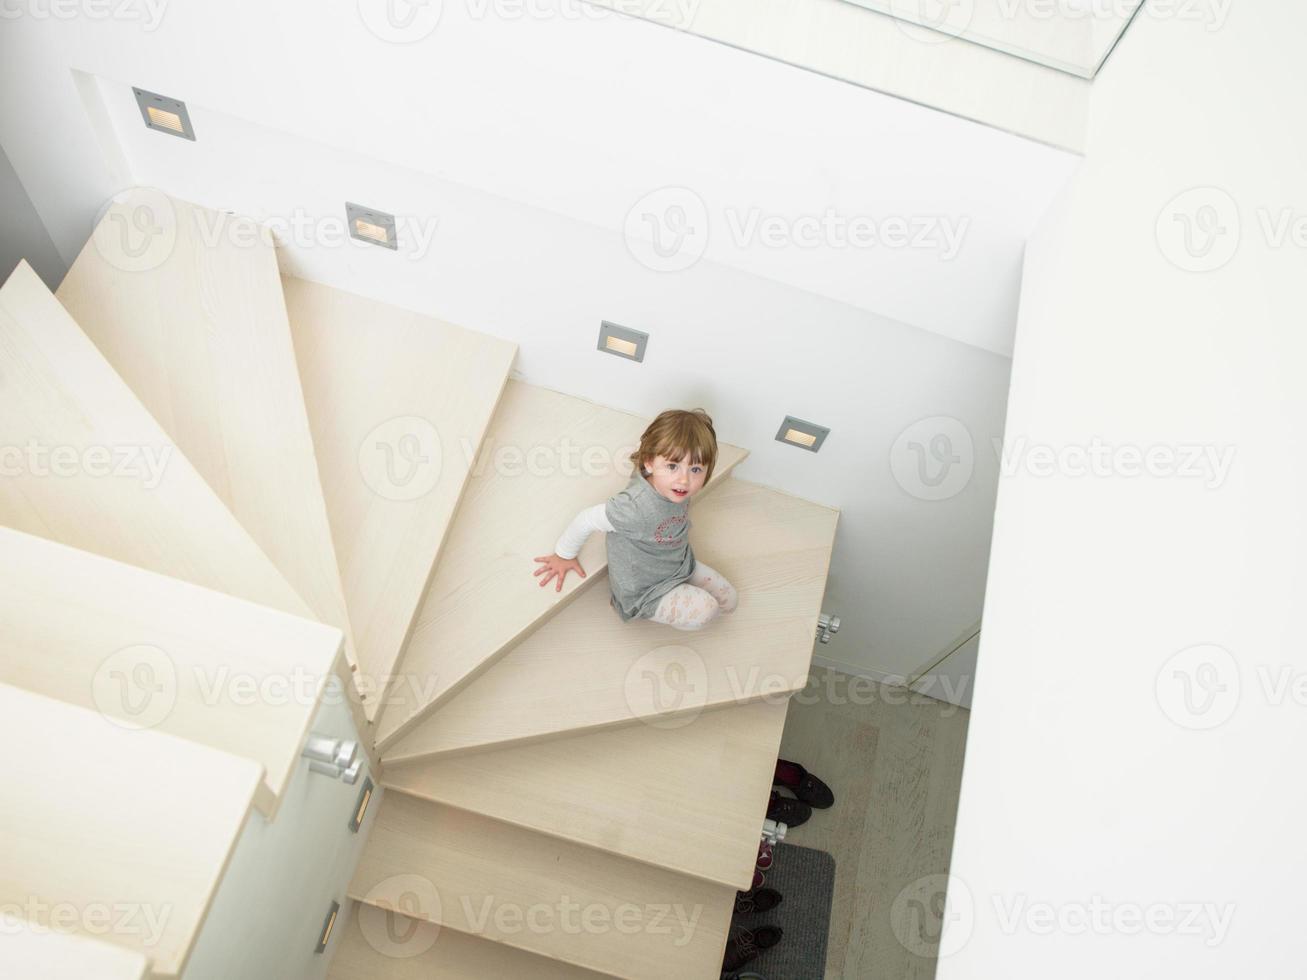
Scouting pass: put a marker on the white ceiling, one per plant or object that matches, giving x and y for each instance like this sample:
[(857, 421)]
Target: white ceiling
[(1073, 36), (847, 41)]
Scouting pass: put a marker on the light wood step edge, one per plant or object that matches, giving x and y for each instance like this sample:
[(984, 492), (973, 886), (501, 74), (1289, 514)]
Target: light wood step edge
[(29, 952), (380, 945), (587, 671), (58, 390), (453, 646), (109, 816), (365, 367), (227, 673), (495, 880), (197, 328), (690, 799), (201, 337)]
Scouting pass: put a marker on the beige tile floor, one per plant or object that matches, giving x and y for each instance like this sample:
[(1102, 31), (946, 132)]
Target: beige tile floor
[(894, 761)]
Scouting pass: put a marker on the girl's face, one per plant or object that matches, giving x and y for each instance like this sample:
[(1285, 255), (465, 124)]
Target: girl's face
[(677, 481)]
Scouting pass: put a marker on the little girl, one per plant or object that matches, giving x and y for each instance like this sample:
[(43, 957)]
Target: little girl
[(652, 571)]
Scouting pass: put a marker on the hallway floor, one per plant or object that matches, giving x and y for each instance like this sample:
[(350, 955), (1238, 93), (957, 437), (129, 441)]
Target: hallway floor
[(894, 761)]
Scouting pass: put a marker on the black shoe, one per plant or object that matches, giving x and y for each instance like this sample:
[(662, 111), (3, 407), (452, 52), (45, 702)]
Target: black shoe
[(790, 812), (757, 900), (745, 945), (748, 975), (803, 784)]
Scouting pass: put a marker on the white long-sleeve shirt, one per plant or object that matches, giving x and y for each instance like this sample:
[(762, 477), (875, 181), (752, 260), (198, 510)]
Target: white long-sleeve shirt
[(583, 525)]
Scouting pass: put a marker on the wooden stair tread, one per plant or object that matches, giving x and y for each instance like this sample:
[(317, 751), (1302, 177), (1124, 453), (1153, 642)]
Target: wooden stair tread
[(30, 952), (95, 816), (585, 669), (487, 876), (224, 672), (483, 597), (398, 404), (59, 393), (409, 949), (690, 797), (202, 339)]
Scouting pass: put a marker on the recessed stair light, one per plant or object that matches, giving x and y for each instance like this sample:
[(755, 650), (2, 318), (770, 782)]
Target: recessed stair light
[(805, 435), (164, 114), (365, 797), (622, 341), (371, 226), (327, 926)]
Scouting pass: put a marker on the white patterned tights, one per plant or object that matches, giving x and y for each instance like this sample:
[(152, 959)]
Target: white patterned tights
[(694, 604)]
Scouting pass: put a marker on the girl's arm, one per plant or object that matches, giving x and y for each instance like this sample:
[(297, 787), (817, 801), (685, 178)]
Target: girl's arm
[(583, 525), (557, 565)]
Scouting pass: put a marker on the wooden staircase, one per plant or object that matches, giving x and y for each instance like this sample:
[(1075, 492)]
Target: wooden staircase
[(96, 818), (30, 951), (359, 491)]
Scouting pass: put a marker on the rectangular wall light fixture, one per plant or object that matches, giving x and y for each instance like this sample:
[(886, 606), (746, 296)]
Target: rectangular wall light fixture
[(327, 926), (805, 435), (361, 807), (164, 114), (371, 226), (622, 341)]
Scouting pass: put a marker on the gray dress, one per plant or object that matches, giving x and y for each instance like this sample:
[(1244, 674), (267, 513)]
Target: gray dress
[(650, 554)]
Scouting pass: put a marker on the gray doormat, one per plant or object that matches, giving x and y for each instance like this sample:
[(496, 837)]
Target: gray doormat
[(805, 877)]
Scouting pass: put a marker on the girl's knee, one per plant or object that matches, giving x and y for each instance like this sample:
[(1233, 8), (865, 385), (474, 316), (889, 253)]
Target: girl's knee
[(709, 614), (698, 620), (716, 585)]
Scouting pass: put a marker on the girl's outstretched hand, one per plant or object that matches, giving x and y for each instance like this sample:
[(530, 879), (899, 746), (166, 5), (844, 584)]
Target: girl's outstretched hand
[(555, 565)]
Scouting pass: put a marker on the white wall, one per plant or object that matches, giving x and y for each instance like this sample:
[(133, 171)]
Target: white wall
[(575, 110), (953, 679), (22, 235), (907, 574), (270, 907), (1093, 789)]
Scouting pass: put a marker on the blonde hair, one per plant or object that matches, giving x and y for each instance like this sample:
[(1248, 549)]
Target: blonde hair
[(675, 433)]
